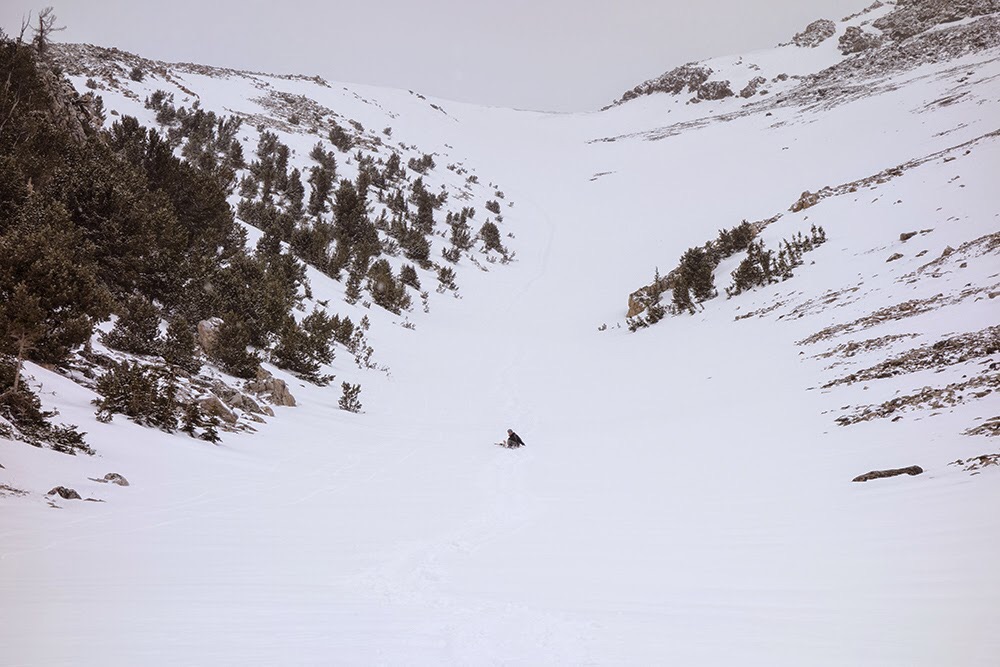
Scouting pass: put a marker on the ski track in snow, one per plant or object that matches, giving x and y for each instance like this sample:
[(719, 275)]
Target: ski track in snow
[(684, 496)]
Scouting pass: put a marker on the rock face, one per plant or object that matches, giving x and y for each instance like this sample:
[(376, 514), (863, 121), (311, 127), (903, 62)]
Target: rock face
[(815, 33), (271, 388), (879, 474), (856, 40), (64, 493), (208, 333)]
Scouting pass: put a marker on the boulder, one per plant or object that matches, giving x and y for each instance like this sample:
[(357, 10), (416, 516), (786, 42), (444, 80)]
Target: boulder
[(213, 405), (751, 88), (271, 388), (879, 474), (208, 332), (856, 40), (714, 90), (115, 478), (64, 493), (894, 256), (806, 200), (815, 33)]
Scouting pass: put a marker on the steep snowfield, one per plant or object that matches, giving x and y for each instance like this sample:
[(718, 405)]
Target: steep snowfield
[(685, 495)]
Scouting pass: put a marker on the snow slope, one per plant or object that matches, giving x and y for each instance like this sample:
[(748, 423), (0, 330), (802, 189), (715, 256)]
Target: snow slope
[(685, 495)]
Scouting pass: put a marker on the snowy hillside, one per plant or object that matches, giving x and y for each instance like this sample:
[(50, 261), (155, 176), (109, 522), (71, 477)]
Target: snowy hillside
[(685, 495)]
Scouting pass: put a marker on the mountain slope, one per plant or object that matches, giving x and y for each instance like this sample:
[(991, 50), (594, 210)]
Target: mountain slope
[(685, 492)]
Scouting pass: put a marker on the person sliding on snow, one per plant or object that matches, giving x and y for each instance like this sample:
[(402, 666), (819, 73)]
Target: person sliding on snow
[(513, 439)]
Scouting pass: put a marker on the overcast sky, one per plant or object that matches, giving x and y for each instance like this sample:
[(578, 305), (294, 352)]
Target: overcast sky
[(556, 55)]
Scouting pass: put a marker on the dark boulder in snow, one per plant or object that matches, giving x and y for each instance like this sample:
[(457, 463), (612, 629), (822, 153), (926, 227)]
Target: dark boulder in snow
[(714, 90), (806, 199), (879, 474), (64, 493), (856, 40), (751, 88), (815, 33), (112, 478)]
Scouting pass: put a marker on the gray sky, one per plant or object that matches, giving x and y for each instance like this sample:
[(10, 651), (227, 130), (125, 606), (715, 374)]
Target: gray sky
[(555, 55)]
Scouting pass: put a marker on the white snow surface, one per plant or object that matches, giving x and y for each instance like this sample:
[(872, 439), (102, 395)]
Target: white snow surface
[(685, 494)]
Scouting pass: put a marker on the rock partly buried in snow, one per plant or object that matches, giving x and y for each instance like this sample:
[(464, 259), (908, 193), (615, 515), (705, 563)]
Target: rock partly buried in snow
[(214, 406), (112, 478), (208, 333), (714, 90), (752, 87), (879, 474), (271, 388), (906, 236), (856, 40), (806, 200), (815, 33), (894, 256), (912, 17), (64, 493)]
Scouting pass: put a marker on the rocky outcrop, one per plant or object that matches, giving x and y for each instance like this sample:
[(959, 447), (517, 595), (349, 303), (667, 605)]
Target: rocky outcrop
[(274, 390), (879, 474), (714, 90), (856, 40), (912, 17), (208, 333), (64, 493), (690, 77), (806, 200), (752, 87), (237, 400), (815, 33)]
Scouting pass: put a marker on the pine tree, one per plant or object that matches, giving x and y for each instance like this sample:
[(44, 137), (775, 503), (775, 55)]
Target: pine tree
[(180, 348), (349, 398), (137, 330)]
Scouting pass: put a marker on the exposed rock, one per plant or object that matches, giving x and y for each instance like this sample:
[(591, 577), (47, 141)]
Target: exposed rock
[(894, 256), (208, 332), (806, 200), (64, 493), (912, 17), (879, 474), (991, 427), (977, 463), (271, 388), (751, 88), (906, 236), (690, 76), (113, 478), (815, 33), (856, 40), (714, 90), (239, 401), (214, 406)]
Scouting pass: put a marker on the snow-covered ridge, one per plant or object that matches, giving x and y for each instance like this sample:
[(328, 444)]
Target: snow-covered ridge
[(881, 39)]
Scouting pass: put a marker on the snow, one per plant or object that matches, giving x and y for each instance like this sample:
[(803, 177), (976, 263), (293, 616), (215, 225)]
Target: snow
[(684, 496)]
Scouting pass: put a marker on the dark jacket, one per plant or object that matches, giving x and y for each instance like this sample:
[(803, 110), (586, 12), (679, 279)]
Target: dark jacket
[(514, 440)]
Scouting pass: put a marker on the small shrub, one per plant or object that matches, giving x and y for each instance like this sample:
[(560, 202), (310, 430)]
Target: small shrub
[(349, 397)]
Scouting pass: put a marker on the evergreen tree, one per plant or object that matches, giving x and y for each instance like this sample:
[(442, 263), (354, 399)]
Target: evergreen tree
[(137, 330), (230, 350), (180, 348)]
